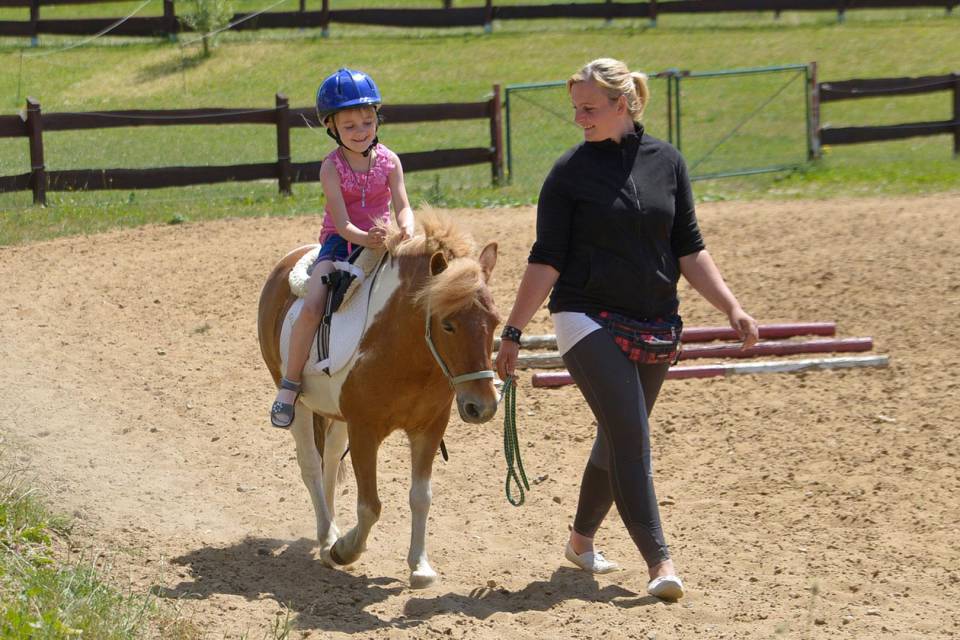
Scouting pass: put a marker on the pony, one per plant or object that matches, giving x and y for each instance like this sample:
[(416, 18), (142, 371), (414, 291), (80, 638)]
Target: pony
[(428, 340)]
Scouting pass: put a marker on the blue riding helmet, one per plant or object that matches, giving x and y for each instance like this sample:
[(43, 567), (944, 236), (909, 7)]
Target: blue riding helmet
[(345, 89)]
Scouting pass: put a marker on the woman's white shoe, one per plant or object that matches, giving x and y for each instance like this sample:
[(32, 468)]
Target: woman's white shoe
[(666, 588), (592, 561)]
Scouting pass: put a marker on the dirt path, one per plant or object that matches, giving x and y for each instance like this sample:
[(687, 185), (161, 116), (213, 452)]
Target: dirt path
[(822, 505)]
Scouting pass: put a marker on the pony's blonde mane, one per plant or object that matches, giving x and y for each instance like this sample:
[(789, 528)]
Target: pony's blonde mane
[(439, 233), (457, 286)]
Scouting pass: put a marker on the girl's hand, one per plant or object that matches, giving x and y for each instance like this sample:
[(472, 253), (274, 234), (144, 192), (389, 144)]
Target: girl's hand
[(375, 237), (745, 326), (507, 358), (407, 232)]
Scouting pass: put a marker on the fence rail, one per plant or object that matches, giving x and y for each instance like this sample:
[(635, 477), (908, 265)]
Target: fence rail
[(33, 124), (876, 87), (445, 16)]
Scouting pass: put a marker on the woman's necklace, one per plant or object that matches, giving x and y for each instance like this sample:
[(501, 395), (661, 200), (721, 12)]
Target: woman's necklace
[(356, 174)]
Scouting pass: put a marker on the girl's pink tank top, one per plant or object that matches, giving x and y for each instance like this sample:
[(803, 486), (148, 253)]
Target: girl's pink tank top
[(366, 194)]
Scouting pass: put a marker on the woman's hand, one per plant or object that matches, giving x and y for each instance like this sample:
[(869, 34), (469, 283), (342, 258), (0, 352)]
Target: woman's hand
[(745, 326), (507, 358)]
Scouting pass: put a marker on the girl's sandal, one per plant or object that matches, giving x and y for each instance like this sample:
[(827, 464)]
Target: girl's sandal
[(281, 413)]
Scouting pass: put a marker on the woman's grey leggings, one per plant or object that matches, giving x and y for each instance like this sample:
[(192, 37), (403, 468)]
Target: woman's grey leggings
[(621, 394)]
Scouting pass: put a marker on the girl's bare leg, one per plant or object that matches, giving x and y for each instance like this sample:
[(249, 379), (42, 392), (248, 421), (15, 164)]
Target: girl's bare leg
[(304, 329)]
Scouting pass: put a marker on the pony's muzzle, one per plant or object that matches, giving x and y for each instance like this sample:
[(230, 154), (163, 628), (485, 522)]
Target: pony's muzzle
[(475, 410)]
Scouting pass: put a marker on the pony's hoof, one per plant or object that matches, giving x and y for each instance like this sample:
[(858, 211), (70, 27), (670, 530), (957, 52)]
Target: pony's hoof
[(339, 556), (422, 578)]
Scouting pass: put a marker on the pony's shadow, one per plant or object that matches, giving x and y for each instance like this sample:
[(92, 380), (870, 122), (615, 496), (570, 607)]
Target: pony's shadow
[(335, 600), (290, 572), (566, 583)]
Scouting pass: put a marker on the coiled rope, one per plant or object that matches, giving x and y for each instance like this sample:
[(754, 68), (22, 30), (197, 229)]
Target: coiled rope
[(511, 446)]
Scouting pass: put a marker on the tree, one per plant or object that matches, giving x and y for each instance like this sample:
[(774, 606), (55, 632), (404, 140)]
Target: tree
[(207, 17)]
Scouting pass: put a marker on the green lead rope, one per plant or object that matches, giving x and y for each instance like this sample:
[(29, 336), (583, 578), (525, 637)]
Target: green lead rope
[(511, 447)]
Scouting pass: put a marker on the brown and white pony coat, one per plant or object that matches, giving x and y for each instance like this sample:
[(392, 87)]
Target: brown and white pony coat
[(393, 381)]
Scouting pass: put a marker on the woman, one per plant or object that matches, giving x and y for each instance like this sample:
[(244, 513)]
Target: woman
[(616, 228)]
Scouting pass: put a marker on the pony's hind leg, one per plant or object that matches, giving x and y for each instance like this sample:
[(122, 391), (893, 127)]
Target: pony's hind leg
[(363, 454), (335, 445), (423, 449), (311, 470)]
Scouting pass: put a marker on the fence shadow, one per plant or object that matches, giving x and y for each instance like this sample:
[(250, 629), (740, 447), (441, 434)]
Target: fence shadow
[(332, 600)]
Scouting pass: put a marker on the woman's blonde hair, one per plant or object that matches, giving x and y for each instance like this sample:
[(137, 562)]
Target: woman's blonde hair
[(616, 80)]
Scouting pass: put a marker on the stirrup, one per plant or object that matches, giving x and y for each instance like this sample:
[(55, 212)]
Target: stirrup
[(283, 409)]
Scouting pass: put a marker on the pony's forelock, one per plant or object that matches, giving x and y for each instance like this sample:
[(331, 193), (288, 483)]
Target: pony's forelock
[(455, 288)]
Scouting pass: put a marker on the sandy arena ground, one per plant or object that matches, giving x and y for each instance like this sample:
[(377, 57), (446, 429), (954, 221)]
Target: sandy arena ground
[(818, 505)]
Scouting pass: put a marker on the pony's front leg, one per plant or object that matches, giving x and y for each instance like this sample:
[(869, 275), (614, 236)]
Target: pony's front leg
[(363, 453), (311, 469), (423, 448)]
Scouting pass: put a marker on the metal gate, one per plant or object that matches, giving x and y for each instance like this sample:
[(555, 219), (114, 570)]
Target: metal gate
[(727, 123)]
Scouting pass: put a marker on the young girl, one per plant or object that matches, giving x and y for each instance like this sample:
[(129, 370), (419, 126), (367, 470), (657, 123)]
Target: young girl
[(360, 179)]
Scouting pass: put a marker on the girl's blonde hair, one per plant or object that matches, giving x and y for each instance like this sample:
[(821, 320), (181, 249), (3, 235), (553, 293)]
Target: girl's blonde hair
[(616, 80)]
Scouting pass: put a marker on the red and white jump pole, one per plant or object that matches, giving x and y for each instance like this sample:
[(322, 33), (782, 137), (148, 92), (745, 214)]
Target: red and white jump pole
[(561, 378), (552, 359), (706, 334)]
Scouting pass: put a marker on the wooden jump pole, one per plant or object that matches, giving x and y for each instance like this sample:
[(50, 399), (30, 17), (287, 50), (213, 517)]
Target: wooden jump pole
[(706, 334), (552, 359), (561, 378)]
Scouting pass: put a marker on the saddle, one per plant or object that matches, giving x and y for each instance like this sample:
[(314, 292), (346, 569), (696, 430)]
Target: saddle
[(343, 283)]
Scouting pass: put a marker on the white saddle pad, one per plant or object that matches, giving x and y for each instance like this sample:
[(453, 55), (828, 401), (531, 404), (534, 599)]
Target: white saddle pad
[(346, 326)]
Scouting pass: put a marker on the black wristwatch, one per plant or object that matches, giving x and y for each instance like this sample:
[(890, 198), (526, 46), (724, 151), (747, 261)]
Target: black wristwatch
[(511, 333)]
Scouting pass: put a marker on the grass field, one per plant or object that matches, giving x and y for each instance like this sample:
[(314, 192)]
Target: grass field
[(462, 65)]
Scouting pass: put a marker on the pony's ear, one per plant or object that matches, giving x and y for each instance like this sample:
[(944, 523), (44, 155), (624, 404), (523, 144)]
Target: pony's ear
[(488, 259), (438, 263)]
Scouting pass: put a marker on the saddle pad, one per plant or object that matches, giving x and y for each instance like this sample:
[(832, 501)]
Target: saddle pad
[(346, 328), (299, 276)]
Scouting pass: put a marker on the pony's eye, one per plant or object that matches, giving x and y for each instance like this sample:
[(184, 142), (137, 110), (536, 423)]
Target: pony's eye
[(447, 326)]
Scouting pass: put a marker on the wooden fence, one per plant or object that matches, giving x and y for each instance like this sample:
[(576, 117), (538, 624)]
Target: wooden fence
[(33, 124), (877, 87), (446, 15)]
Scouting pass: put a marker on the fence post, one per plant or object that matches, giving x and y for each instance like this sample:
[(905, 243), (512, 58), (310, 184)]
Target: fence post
[(34, 19), (170, 20), (325, 19), (447, 4), (488, 17), (653, 13), (813, 117), (496, 137), (669, 76), (38, 174), (608, 19), (956, 115), (283, 144), (842, 12)]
